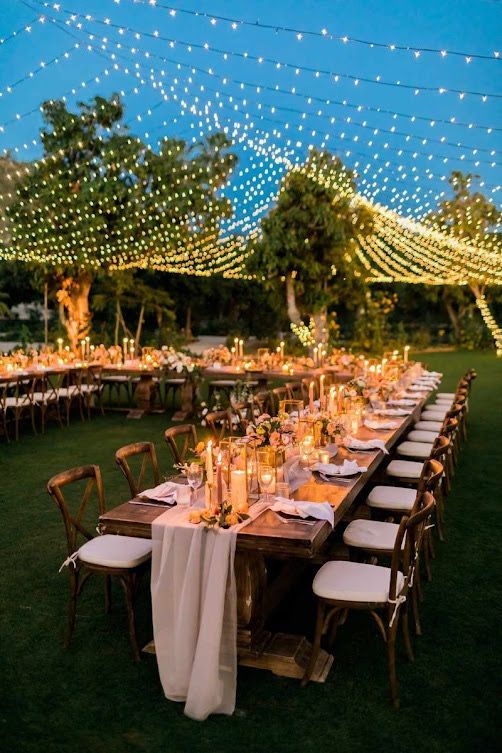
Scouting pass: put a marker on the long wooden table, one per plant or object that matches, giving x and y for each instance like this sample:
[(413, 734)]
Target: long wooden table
[(294, 545)]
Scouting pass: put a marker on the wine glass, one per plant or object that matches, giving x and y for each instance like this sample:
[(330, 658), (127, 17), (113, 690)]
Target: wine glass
[(266, 478), (194, 478)]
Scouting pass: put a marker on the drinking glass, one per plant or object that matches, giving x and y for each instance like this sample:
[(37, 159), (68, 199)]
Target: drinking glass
[(194, 478), (266, 477)]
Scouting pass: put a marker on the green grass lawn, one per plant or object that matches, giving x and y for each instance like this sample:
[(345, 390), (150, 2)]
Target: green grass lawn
[(92, 697)]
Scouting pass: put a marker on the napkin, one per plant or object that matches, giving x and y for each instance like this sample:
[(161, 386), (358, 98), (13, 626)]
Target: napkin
[(372, 424), (319, 510), (365, 444), (167, 492), (395, 411), (403, 403), (348, 468), (294, 474)]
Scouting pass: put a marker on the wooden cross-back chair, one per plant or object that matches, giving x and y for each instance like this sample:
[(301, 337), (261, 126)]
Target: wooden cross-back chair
[(180, 439), (242, 412), (123, 557), (306, 388), (278, 394), (46, 397), (17, 402), (295, 391), (219, 423), (145, 451), (339, 586), (263, 401)]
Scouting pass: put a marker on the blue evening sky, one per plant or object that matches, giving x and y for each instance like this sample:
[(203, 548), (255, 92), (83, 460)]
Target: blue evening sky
[(396, 168)]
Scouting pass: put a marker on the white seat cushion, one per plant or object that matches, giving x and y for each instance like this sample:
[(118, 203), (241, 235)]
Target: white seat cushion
[(445, 395), (44, 397), (434, 426), (419, 435), (371, 534), (68, 391), (354, 581), (117, 378), (392, 498), (415, 449), (405, 469), (115, 551), (432, 415), (17, 402)]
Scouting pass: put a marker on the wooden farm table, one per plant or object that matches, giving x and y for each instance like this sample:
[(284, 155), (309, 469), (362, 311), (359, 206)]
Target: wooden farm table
[(145, 388), (291, 544)]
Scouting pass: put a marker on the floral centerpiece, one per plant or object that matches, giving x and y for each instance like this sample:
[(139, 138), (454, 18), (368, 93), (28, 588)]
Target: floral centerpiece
[(330, 429), (358, 387), (220, 354), (277, 431), (221, 516)]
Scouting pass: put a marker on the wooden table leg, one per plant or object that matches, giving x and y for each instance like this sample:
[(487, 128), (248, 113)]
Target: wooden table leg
[(143, 394), (281, 653), (187, 402)]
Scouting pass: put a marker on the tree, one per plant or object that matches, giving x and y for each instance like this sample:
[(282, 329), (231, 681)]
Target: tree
[(470, 217), (308, 240), (99, 200)]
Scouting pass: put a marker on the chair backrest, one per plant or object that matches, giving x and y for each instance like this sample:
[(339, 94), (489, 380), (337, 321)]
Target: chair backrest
[(263, 400), (430, 477), (74, 525), (180, 439), (295, 391), (439, 448), (449, 427), (219, 423), (278, 394), (407, 545), (242, 413), (145, 451)]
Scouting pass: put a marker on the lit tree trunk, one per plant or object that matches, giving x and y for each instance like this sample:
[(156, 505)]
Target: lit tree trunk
[(488, 318), (321, 330), (139, 327), (117, 323), (293, 312), (74, 311), (46, 313)]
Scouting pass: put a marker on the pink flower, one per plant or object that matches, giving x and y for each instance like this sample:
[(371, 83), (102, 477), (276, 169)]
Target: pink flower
[(275, 438)]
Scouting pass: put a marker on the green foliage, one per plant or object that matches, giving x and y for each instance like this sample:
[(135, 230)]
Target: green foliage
[(309, 236), (101, 198)]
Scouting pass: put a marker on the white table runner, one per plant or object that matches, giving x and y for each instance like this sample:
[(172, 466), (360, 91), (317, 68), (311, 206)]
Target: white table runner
[(194, 607)]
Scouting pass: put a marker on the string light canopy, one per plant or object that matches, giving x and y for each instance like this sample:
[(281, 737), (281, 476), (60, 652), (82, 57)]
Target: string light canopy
[(272, 126)]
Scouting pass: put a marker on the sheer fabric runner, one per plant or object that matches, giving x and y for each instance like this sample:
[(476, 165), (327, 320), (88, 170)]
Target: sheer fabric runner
[(194, 606)]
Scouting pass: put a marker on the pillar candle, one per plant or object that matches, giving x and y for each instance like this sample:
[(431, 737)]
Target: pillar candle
[(236, 346), (124, 346), (332, 398), (60, 344), (282, 350), (406, 352), (219, 481), (131, 347), (241, 345), (311, 397), (321, 391), (341, 392), (82, 348), (238, 490), (209, 463), (315, 356)]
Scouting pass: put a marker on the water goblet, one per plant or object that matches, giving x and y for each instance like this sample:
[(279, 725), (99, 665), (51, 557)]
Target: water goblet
[(194, 478)]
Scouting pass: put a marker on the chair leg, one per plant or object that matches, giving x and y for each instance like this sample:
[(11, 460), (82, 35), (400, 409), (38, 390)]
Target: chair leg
[(108, 593), (72, 607), (391, 664), (415, 608), (129, 589), (316, 645), (406, 633)]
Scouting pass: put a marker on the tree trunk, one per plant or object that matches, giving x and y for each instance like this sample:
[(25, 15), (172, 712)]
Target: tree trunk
[(140, 326), (293, 312), (117, 323), (46, 313), (188, 324), (450, 309), (74, 311), (321, 330)]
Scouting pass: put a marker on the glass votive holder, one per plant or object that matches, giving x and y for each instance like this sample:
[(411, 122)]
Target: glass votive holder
[(282, 489), (324, 456)]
